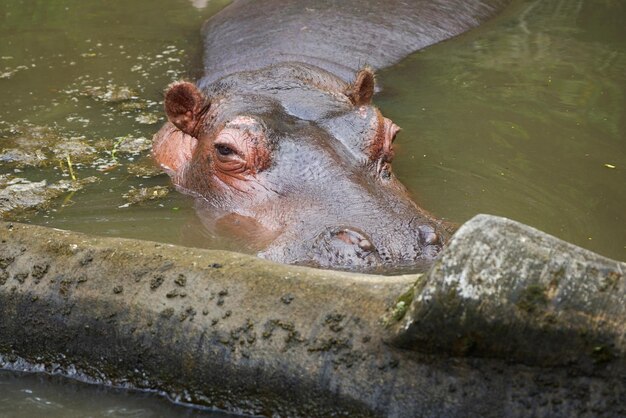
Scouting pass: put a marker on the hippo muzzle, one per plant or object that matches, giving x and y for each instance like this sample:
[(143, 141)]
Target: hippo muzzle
[(350, 248)]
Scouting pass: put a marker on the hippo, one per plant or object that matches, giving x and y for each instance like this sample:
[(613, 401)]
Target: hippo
[(280, 138)]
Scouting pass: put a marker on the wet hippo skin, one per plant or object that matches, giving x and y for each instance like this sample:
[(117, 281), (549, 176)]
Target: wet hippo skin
[(281, 137)]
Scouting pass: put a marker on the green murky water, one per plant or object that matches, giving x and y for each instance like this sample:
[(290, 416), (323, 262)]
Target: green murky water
[(93, 73), (37, 395), (524, 117)]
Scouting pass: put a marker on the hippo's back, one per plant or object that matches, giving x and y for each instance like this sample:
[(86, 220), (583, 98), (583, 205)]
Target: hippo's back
[(338, 36)]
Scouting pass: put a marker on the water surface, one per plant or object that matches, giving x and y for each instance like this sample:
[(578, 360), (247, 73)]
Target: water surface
[(38, 395), (523, 118)]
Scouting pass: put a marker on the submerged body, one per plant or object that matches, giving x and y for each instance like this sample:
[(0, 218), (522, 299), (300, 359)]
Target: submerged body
[(280, 136)]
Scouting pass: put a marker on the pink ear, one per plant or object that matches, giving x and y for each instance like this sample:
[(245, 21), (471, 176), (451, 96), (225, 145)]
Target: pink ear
[(184, 105), (361, 90), (172, 148)]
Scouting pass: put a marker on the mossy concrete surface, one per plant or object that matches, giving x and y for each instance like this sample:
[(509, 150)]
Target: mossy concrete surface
[(506, 290), (242, 334)]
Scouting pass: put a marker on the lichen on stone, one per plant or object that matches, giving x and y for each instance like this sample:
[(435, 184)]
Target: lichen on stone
[(532, 299)]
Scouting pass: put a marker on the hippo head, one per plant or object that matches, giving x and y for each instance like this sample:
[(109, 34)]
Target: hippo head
[(301, 161)]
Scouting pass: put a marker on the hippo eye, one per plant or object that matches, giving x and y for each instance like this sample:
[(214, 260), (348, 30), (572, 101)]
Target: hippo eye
[(239, 149), (224, 150)]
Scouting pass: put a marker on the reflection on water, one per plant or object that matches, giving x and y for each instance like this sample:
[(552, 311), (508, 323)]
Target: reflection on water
[(522, 118)]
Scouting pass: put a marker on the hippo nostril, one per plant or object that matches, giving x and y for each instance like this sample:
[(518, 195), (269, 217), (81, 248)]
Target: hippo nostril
[(366, 245), (357, 243), (428, 235), (355, 238), (431, 238), (349, 237)]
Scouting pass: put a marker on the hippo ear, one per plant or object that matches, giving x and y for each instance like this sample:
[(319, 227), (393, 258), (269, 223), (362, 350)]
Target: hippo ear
[(361, 90), (185, 105)]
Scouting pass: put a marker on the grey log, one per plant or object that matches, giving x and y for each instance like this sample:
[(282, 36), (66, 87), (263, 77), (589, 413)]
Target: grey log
[(243, 334)]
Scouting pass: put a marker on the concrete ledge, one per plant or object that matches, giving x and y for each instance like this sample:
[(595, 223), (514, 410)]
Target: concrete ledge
[(243, 334)]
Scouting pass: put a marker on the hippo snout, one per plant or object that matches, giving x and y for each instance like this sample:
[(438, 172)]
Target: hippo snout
[(343, 246), (351, 247), (354, 249)]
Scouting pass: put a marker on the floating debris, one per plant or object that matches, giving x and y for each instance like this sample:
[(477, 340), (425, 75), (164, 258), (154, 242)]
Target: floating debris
[(21, 158), (144, 194), (74, 148), (73, 185), (131, 145), (147, 118), (145, 168), (10, 73), (19, 194), (111, 93), (133, 105), (36, 145)]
